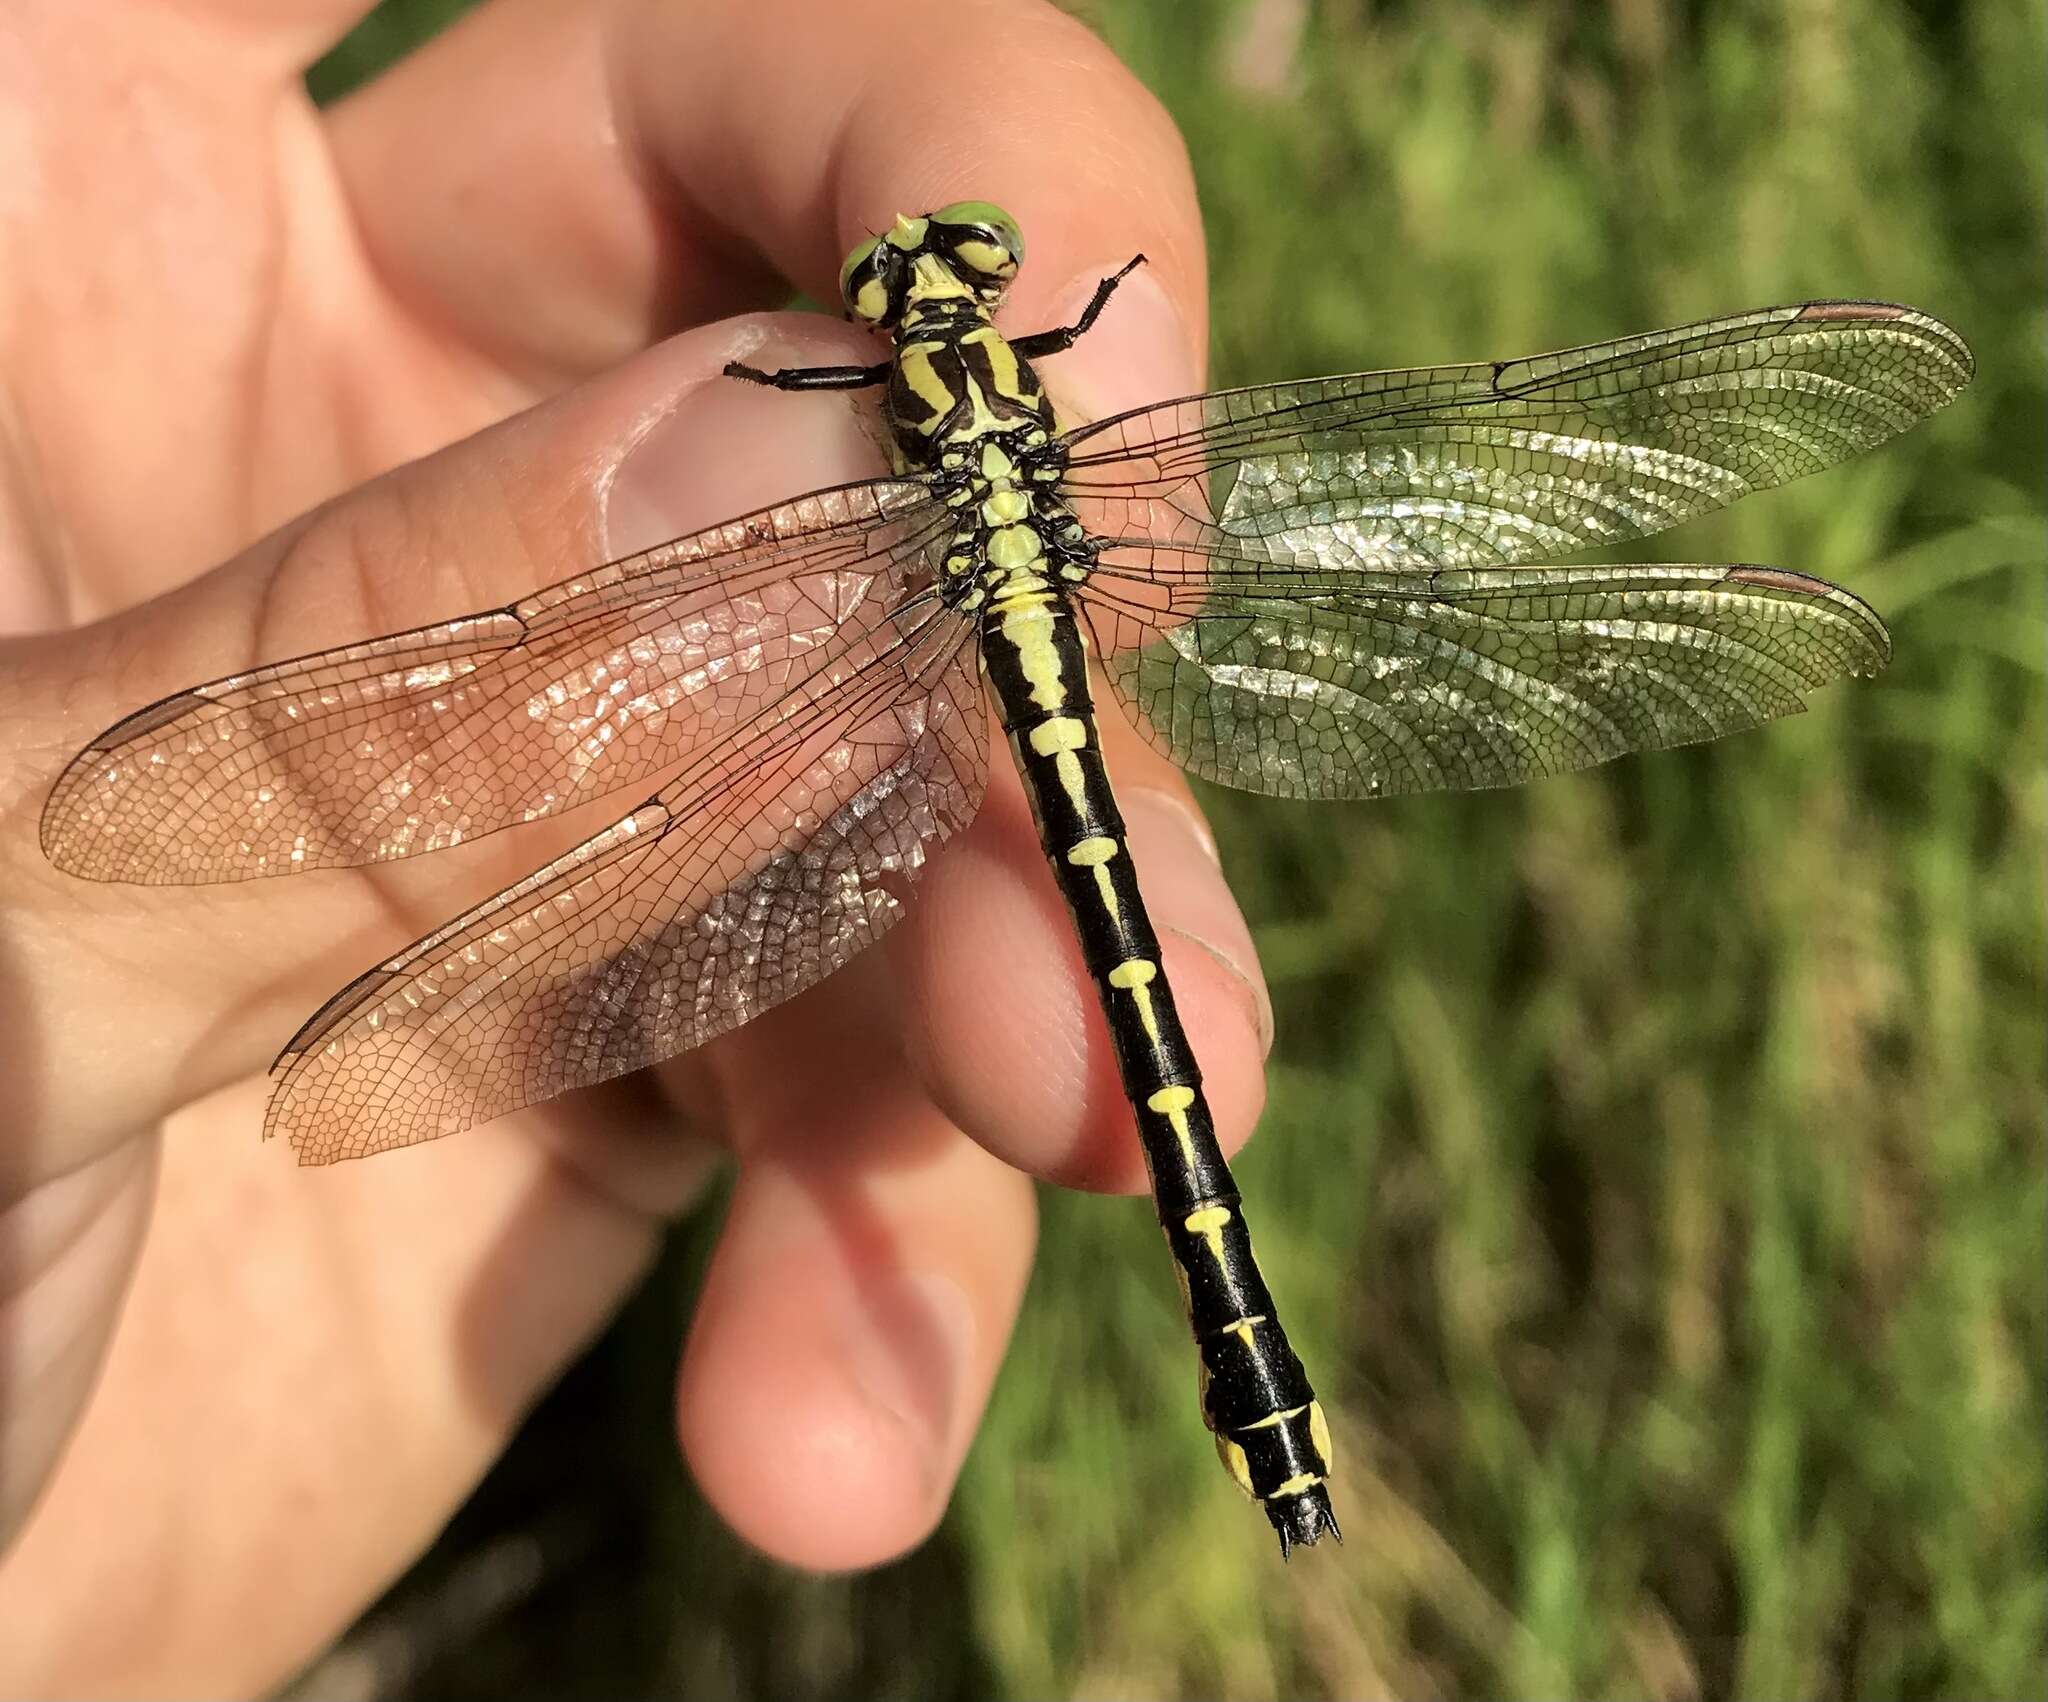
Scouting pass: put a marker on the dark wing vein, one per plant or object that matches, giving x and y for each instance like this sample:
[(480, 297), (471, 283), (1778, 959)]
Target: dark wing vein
[(774, 860), (1476, 679), (1492, 463), (429, 738)]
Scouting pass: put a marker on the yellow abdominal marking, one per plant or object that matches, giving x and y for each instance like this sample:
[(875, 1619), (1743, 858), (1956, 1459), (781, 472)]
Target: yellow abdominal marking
[(1105, 889), (1147, 1016), (1061, 733), (1090, 852), (1027, 624), (1235, 1463), (1172, 1103), (1208, 1222), (1135, 976), (1276, 1418)]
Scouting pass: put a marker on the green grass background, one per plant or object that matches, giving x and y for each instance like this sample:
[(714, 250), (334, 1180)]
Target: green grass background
[(1654, 1169)]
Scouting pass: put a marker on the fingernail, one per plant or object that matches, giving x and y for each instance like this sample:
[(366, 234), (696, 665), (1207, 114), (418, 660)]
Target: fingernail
[(1184, 887), (1139, 351), (722, 447), (909, 1343), (641, 502)]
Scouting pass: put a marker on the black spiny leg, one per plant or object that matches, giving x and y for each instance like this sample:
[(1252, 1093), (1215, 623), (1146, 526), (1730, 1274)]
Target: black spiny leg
[(1042, 343), (811, 377)]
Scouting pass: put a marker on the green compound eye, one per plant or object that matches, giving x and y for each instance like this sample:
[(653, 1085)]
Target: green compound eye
[(855, 262), (989, 241)]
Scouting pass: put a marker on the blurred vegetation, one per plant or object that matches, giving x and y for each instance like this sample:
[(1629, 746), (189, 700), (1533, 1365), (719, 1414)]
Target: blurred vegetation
[(1654, 1169)]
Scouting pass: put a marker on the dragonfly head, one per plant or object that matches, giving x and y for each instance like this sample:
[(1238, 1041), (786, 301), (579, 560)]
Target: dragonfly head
[(970, 249)]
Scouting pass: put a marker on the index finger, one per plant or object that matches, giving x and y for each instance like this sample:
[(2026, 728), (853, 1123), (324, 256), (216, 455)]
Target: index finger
[(563, 183)]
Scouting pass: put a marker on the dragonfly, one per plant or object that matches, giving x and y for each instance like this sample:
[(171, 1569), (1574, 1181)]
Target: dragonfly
[(1325, 588)]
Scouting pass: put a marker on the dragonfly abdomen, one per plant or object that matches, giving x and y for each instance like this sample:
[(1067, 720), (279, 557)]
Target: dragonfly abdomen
[(1256, 1397)]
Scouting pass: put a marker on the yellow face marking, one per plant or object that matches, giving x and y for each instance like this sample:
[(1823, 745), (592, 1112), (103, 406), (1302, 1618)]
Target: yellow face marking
[(871, 302), (906, 232), (1061, 733), (1089, 852), (985, 257), (1235, 1463), (931, 279)]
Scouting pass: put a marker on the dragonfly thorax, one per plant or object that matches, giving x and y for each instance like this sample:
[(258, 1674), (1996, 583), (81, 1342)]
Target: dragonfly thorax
[(1013, 530)]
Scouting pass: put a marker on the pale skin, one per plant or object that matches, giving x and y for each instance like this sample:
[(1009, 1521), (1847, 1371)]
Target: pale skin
[(479, 312)]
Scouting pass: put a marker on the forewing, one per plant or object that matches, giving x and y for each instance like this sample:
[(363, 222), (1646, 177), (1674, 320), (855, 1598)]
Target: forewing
[(1511, 461), (1466, 679), (754, 875), (429, 738)]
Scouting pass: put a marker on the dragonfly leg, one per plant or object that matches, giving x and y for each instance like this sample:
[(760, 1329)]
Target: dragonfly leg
[(1042, 343), (811, 377)]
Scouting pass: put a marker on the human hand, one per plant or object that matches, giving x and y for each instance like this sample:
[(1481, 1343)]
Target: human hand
[(221, 308)]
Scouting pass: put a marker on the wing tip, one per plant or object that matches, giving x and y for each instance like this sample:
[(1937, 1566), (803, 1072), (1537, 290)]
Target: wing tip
[(1767, 578), (1850, 310)]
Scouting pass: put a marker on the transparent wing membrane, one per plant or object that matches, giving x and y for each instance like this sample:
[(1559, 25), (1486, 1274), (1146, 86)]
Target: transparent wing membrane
[(753, 876), (1311, 589), (1493, 463), (1465, 680), (429, 738)]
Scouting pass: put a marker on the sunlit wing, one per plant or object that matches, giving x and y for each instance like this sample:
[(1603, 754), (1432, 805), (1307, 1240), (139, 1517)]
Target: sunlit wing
[(1499, 462), (1484, 678), (1309, 589), (753, 875), (430, 738)]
